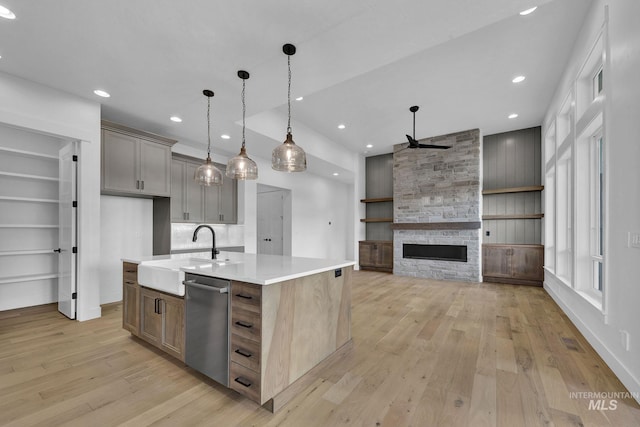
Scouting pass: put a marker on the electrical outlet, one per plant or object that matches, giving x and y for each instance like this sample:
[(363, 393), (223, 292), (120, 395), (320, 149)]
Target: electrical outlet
[(624, 337), (634, 240)]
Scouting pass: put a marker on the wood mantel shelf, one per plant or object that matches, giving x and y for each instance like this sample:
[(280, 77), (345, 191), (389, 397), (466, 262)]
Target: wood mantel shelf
[(468, 225)]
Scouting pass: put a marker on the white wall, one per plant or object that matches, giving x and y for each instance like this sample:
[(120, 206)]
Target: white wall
[(622, 131), (126, 227), (35, 107)]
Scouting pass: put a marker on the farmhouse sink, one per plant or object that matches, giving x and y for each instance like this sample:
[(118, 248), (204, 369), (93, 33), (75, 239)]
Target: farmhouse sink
[(166, 275)]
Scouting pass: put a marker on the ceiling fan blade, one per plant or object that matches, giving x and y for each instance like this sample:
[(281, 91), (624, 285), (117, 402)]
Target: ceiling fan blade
[(412, 142), (438, 147)]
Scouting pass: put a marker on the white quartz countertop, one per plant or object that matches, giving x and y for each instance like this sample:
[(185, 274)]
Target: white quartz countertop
[(252, 268)]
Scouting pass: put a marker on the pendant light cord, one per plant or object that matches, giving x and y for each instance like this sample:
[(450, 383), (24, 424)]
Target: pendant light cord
[(289, 94), (244, 111), (208, 127)]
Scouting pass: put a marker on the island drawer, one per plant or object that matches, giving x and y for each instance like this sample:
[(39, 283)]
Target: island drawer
[(244, 381), (246, 323), (245, 352), (130, 273), (246, 295)]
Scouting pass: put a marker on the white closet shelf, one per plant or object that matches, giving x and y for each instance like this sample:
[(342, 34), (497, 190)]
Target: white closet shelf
[(28, 176), (27, 252), (27, 278), (28, 226), (28, 199), (29, 153)]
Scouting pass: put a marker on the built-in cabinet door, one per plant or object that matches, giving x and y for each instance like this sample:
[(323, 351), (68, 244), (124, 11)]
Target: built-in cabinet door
[(154, 163), (177, 191), (367, 254), (496, 261), (119, 162), (212, 203), (527, 262), (150, 320), (193, 195), (228, 204)]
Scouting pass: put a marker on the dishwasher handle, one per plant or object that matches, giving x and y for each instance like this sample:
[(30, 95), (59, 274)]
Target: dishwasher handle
[(205, 287)]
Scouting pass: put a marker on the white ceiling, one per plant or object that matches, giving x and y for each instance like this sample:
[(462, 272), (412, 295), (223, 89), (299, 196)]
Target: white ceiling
[(359, 62)]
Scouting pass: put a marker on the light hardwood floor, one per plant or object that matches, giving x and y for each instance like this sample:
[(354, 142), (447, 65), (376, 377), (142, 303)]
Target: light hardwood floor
[(426, 353)]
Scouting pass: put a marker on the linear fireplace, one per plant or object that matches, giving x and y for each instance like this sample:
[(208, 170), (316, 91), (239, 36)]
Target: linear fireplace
[(435, 252)]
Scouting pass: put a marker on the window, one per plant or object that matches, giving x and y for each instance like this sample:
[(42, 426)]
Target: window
[(597, 83), (597, 210)]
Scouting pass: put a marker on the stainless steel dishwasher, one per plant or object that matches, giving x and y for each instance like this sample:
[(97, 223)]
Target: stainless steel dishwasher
[(207, 327)]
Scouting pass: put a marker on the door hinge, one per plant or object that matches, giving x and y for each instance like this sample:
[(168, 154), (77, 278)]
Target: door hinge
[(74, 158), (74, 295), (74, 204), (74, 250)]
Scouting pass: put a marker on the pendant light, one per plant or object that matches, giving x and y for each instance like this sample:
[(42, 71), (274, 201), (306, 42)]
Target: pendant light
[(207, 174), (288, 157), (241, 166)]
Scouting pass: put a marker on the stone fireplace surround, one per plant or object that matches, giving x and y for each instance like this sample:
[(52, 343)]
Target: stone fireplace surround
[(437, 201)]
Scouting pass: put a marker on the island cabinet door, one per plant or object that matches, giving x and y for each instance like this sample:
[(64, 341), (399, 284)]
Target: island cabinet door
[(150, 320), (130, 298), (172, 325)]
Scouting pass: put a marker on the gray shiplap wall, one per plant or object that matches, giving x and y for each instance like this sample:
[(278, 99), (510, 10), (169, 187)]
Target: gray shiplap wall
[(379, 183), (512, 159)]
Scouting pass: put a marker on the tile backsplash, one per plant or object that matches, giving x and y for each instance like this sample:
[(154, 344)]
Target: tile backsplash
[(226, 236)]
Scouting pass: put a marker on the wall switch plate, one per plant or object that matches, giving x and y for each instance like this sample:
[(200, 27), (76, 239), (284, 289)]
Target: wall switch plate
[(488, 233), (634, 240)]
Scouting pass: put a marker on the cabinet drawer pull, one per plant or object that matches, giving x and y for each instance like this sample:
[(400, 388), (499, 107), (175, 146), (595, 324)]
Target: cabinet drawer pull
[(244, 324), (130, 271), (142, 185), (128, 282), (244, 296), (245, 382), (243, 353)]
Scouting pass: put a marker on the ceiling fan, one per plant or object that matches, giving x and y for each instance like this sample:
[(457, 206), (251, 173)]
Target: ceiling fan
[(413, 143)]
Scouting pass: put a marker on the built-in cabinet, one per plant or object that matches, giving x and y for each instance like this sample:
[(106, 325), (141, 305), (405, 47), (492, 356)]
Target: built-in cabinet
[(517, 264), (153, 316), (135, 163), (192, 202), (376, 251), (512, 208), (376, 255)]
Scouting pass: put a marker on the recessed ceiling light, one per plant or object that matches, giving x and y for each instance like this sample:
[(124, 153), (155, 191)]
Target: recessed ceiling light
[(369, 146), (176, 119), (341, 126), (518, 79), (300, 98), (6, 13), (528, 11), (336, 174), (513, 116), (225, 136), (101, 93)]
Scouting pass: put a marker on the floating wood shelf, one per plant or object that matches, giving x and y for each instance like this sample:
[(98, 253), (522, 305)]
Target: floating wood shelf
[(514, 216), (376, 220), (377, 200), (514, 190)]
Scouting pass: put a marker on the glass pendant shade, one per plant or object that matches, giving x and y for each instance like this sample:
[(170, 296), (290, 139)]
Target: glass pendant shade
[(242, 167), (288, 157), (207, 174)]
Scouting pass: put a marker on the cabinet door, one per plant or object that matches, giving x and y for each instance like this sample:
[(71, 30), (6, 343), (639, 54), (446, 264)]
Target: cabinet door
[(367, 254), (193, 197), (227, 206), (212, 204), (119, 162), (155, 166), (177, 190), (150, 320), (527, 262), (496, 261), (172, 337), (130, 307), (385, 255)]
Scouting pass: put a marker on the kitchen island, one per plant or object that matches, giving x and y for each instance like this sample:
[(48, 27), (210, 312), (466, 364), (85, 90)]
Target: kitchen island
[(286, 315)]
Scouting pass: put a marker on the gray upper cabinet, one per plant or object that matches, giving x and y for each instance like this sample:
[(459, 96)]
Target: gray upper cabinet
[(135, 163), (191, 202), (221, 202), (186, 194)]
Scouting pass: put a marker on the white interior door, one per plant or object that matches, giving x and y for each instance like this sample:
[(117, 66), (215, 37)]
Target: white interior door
[(67, 232), (270, 222)]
